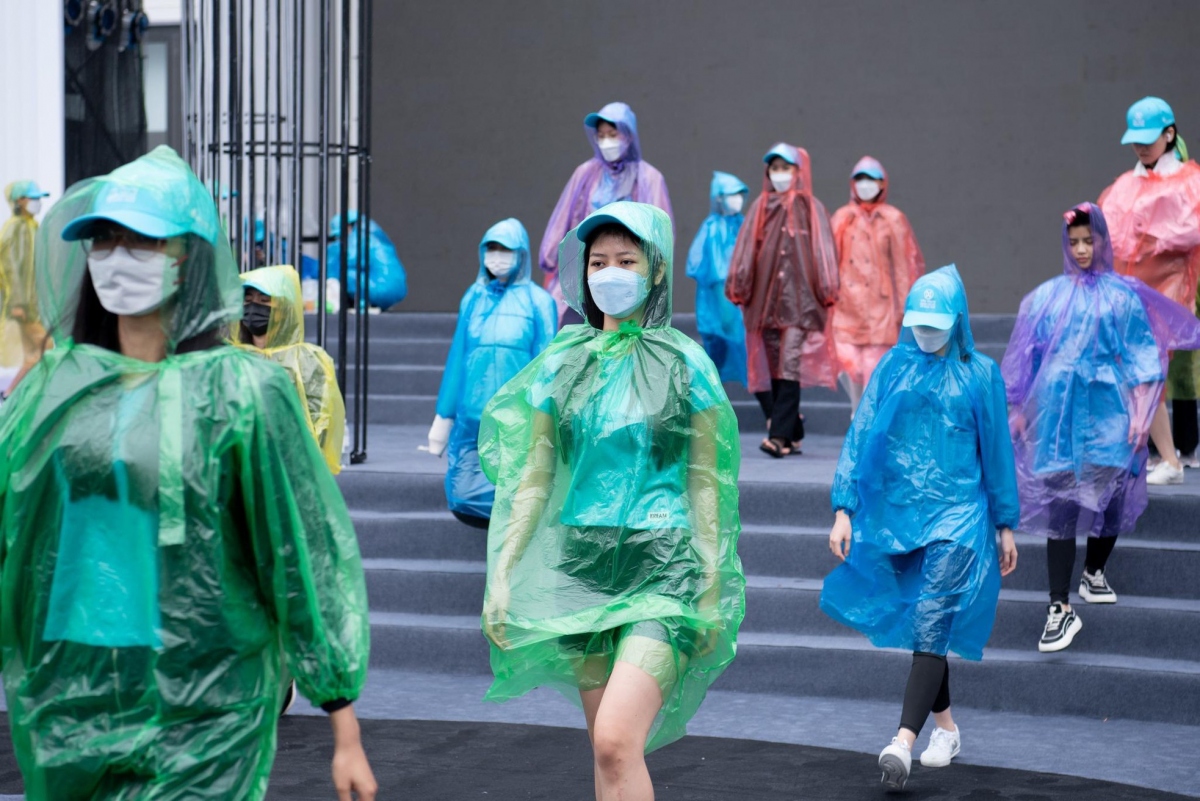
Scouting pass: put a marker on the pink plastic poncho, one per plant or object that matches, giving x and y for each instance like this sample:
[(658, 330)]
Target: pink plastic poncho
[(878, 260), (1084, 372), (1155, 223), (597, 183), (784, 276)]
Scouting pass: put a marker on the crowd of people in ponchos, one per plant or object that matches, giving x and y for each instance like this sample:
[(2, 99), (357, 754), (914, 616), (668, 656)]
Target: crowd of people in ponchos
[(177, 559)]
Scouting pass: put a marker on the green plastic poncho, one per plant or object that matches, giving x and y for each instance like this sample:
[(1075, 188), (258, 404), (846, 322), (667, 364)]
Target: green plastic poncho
[(170, 536), (614, 532), (310, 367)]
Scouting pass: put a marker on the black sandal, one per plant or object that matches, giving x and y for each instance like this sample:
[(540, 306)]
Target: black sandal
[(774, 448)]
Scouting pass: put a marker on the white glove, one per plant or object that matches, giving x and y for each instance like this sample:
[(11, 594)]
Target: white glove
[(439, 434)]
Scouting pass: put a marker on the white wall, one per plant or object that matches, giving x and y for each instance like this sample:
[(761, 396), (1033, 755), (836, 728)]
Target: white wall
[(31, 127), (163, 12)]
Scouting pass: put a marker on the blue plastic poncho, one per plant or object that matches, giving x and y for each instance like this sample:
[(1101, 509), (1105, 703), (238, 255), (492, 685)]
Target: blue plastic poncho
[(926, 475), (719, 321), (614, 534), (1085, 369), (388, 284), (502, 325)]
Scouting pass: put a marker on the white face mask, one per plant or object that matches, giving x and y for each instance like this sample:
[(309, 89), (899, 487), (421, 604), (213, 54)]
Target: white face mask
[(610, 148), (867, 189), (500, 262), (930, 339), (130, 287), (733, 203), (617, 291), (34, 206), (782, 181)]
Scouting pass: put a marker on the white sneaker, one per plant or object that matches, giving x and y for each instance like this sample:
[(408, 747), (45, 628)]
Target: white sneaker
[(896, 762), (1095, 590), (1164, 475), (943, 746)]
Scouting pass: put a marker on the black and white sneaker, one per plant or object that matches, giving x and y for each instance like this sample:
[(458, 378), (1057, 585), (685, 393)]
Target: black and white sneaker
[(1094, 589), (289, 698), (1062, 625)]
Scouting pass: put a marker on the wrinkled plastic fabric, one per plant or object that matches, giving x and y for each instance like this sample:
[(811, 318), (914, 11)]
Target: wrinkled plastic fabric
[(927, 477), (22, 334), (720, 322), (502, 325), (309, 366), (387, 282), (1156, 237), (170, 540), (878, 261), (1084, 369), (784, 276), (615, 456), (597, 183)]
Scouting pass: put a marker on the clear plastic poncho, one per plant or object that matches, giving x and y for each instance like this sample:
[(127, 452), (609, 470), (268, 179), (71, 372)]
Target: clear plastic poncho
[(719, 321), (171, 536), (784, 275), (615, 456), (387, 283), (21, 332), (502, 325), (597, 183), (1154, 219), (878, 260), (310, 367), (926, 475), (1085, 368)]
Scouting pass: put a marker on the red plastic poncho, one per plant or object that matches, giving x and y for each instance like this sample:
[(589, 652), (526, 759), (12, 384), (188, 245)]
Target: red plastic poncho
[(878, 260), (784, 275), (1154, 217)]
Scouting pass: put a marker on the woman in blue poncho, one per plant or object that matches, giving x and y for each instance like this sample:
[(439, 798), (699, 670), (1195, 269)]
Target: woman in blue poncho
[(719, 321), (504, 320), (924, 483)]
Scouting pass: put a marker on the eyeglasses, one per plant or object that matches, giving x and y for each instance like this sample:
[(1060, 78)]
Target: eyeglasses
[(106, 240)]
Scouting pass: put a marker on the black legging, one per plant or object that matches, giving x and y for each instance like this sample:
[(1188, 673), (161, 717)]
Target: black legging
[(1060, 562), (781, 407), (1184, 426), (928, 690)]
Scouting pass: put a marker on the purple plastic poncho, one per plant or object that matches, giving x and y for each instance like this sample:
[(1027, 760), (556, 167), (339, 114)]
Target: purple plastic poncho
[(1084, 371), (597, 183)]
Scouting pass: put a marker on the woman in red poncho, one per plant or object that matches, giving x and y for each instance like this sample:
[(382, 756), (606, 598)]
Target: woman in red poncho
[(1153, 213), (784, 276), (878, 260)]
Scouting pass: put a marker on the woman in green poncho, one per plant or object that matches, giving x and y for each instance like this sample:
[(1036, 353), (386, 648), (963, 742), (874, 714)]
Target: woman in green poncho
[(613, 572), (170, 537)]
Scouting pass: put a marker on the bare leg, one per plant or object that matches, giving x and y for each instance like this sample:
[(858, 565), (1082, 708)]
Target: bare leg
[(855, 391), (1160, 435), (626, 710), (943, 719), (591, 705)]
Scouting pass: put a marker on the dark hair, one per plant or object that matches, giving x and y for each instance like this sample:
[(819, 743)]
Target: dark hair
[(1080, 216), (96, 325), (1174, 139), (591, 311)]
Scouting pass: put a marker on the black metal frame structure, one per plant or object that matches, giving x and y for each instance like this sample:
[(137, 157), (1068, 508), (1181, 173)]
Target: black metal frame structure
[(256, 138)]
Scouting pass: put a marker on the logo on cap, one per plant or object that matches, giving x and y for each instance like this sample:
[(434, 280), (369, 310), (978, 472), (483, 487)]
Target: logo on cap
[(1139, 121), (122, 194), (927, 301)]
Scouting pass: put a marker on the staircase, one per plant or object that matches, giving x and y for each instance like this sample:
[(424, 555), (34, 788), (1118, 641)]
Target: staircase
[(1139, 659)]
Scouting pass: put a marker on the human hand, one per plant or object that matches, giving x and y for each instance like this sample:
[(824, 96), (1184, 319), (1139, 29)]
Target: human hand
[(1008, 552), (351, 771), (840, 535), (1016, 423), (706, 607), (495, 614)]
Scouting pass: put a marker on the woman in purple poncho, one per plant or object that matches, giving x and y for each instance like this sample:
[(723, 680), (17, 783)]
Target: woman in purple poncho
[(1084, 371), (615, 172)]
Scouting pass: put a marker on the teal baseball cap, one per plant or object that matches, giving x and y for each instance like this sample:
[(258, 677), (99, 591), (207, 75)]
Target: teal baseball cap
[(25, 189), (930, 305), (785, 152), (1146, 120), (156, 195)]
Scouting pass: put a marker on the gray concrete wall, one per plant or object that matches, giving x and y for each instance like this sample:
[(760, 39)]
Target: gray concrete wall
[(991, 117)]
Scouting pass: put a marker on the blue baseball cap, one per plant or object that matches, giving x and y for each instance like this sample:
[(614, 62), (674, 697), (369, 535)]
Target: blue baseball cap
[(1146, 120), (929, 305), (869, 167), (785, 152), (25, 189)]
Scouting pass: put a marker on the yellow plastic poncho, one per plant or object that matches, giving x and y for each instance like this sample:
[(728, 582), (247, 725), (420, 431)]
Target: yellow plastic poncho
[(21, 332), (170, 538), (310, 366)]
